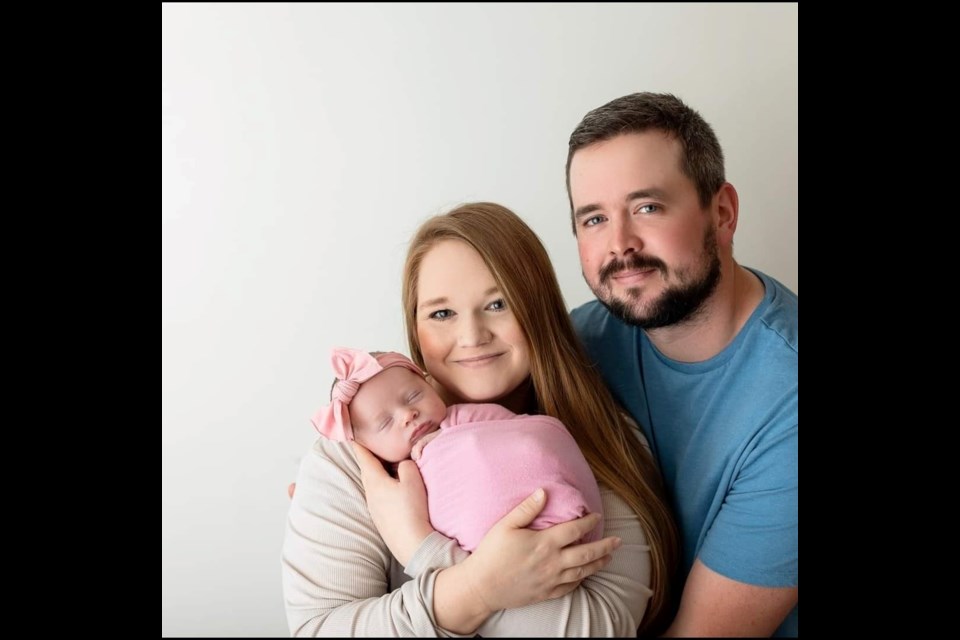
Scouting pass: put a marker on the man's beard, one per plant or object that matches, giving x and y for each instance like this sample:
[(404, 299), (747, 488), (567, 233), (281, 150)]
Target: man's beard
[(678, 303)]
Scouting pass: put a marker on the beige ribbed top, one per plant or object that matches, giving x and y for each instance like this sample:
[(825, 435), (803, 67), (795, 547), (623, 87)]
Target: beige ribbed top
[(339, 578)]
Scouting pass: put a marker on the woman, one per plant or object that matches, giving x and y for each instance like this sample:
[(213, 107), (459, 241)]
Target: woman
[(485, 317)]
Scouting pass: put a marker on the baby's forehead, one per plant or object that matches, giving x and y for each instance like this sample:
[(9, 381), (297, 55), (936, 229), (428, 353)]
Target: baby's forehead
[(396, 374), (392, 381)]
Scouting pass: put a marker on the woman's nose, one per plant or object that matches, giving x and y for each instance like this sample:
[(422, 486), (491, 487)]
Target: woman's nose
[(474, 332)]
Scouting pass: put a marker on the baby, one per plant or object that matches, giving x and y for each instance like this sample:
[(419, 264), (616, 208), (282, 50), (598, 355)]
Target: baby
[(478, 461)]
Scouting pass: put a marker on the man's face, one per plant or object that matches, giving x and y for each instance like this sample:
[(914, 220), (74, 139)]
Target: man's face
[(647, 248)]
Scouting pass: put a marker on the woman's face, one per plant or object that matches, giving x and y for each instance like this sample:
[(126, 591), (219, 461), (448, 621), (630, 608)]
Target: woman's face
[(471, 342)]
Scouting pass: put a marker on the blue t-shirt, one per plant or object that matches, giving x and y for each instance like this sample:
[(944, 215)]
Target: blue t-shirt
[(724, 432)]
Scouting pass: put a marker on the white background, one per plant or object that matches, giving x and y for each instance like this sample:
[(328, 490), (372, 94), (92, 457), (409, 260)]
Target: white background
[(301, 147)]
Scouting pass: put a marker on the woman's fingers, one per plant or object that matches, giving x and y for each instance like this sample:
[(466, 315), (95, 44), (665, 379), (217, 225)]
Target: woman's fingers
[(569, 532), (575, 575), (524, 513), (583, 555), (371, 470), (590, 551), (514, 566), (398, 507), (408, 473)]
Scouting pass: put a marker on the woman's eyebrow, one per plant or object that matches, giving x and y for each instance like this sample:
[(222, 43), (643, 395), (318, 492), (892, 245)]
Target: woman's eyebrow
[(430, 303), (444, 300)]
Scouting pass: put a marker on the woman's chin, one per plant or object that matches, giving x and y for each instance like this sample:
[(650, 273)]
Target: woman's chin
[(480, 395)]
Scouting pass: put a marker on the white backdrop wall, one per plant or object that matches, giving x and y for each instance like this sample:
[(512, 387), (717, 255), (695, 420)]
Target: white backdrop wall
[(301, 147)]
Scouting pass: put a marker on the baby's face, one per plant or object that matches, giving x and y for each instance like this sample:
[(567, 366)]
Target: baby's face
[(394, 409)]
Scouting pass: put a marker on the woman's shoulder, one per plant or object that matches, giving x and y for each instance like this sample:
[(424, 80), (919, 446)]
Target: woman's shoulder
[(329, 460), (635, 429)]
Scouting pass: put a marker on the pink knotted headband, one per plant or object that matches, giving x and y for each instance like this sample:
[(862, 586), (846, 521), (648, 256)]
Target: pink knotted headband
[(352, 368)]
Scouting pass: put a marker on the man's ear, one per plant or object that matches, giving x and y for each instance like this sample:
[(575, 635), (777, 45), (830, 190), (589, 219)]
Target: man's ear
[(728, 210)]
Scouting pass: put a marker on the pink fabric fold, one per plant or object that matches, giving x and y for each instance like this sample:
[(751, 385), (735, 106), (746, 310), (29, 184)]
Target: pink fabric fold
[(487, 460)]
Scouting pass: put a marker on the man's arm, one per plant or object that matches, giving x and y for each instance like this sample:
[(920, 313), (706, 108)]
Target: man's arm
[(713, 605), (744, 579)]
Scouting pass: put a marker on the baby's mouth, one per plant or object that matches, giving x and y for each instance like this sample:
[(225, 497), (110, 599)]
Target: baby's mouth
[(419, 432)]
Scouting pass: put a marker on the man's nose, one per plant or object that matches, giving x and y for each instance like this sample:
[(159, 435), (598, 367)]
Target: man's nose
[(624, 238)]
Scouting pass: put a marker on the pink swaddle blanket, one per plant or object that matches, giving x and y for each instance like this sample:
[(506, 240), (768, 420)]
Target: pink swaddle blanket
[(487, 459)]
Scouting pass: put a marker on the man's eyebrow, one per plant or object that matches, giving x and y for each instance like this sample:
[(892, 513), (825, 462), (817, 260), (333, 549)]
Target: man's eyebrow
[(652, 192), (587, 209)]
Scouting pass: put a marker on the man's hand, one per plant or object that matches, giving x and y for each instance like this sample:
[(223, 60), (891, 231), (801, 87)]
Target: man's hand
[(398, 507), (291, 488)]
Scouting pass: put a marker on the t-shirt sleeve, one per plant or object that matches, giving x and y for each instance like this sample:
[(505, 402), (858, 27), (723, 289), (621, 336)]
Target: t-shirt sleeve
[(755, 536), (336, 568)]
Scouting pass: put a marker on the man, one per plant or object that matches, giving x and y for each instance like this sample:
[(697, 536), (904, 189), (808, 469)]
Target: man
[(702, 351)]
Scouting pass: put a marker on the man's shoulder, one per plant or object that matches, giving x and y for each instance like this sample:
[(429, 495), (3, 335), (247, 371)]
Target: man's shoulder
[(781, 316), (586, 312), (593, 321)]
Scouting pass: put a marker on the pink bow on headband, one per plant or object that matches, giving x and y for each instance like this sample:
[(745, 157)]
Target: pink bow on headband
[(352, 368)]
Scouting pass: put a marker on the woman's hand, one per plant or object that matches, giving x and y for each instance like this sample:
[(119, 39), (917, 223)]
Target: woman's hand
[(398, 507), (514, 566)]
